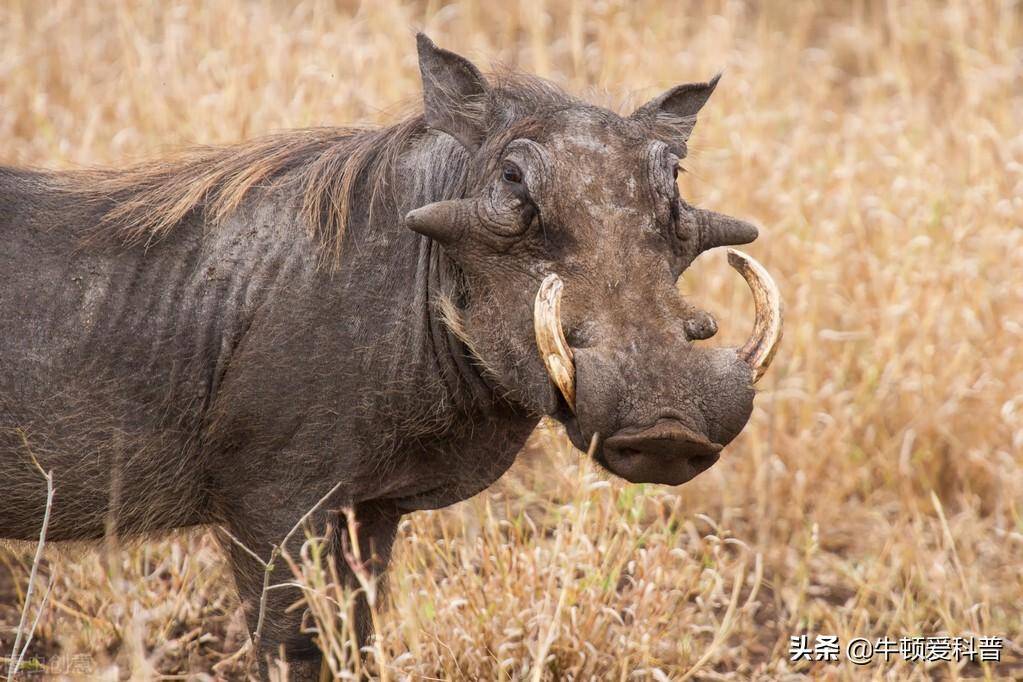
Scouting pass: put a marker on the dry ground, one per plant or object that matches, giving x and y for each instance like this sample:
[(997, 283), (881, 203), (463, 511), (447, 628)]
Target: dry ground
[(878, 489)]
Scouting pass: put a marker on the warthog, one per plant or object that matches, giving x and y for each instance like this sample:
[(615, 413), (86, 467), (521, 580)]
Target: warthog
[(226, 336)]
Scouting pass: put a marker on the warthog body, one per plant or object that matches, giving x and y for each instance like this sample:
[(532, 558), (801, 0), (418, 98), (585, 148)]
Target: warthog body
[(223, 337)]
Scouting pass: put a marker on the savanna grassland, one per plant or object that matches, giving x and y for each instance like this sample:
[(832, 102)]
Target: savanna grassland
[(878, 489)]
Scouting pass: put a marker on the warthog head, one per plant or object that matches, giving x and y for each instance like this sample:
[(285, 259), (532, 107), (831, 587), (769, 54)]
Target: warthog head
[(570, 240)]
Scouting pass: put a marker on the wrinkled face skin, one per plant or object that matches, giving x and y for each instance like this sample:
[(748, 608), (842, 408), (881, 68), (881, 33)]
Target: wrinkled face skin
[(591, 196)]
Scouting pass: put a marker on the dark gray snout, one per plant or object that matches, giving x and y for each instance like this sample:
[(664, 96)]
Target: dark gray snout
[(663, 417)]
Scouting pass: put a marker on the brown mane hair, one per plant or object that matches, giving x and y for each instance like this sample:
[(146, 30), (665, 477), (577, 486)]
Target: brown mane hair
[(142, 204)]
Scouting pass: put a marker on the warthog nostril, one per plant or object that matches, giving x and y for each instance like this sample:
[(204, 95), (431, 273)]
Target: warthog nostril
[(667, 452)]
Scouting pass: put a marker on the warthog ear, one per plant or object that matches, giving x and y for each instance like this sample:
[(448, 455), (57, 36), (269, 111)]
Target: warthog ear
[(456, 96), (677, 108)]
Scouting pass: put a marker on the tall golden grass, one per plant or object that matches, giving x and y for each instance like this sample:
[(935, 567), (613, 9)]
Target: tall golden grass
[(877, 490)]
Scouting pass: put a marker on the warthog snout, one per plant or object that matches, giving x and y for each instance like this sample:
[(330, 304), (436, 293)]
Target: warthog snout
[(665, 410)]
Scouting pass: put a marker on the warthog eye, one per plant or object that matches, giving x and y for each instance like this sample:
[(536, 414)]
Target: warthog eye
[(511, 173)]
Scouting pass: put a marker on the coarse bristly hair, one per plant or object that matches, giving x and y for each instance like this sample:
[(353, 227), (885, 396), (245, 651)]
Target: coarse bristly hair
[(331, 167)]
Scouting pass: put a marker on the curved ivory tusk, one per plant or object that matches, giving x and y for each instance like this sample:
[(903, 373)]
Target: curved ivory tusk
[(550, 338), (759, 350)]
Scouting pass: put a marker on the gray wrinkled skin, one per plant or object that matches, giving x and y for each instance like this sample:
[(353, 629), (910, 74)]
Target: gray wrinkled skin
[(223, 375)]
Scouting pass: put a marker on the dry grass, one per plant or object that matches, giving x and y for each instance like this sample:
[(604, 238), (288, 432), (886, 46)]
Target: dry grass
[(878, 489)]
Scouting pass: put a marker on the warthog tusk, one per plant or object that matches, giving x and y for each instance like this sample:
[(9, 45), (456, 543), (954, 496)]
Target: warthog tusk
[(767, 325), (550, 337)]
